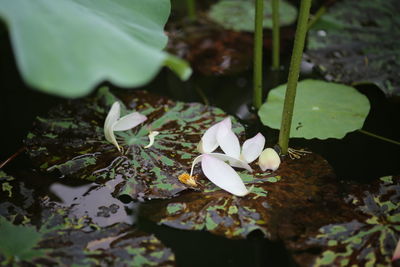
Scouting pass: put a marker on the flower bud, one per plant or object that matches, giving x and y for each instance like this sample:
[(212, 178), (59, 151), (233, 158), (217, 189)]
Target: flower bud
[(269, 160)]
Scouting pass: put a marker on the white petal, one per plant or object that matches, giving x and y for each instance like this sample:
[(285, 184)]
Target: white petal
[(269, 160), (227, 140), (396, 254), (209, 142), (152, 135), (238, 163), (111, 119), (195, 161), (129, 121), (252, 148), (222, 175)]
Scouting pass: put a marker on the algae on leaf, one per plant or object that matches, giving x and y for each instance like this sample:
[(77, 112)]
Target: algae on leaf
[(239, 15), (357, 42), (322, 110), (70, 142), (67, 47)]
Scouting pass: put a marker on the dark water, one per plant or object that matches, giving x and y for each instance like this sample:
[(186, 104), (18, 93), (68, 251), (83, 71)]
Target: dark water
[(357, 157)]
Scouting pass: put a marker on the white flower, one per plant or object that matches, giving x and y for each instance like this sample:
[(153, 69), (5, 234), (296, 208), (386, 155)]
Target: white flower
[(113, 123), (269, 160), (213, 164)]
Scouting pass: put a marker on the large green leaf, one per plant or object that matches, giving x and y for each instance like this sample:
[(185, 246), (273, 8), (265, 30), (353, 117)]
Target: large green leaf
[(239, 15), (70, 141), (322, 109), (18, 242), (67, 47), (357, 42)]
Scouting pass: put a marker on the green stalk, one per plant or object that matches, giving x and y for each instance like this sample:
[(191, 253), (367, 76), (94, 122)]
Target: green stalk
[(275, 34), (294, 71), (379, 137), (191, 7), (258, 46), (316, 16)]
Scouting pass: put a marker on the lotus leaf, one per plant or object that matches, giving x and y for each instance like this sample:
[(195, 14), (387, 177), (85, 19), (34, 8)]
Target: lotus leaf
[(357, 42), (298, 196), (70, 142), (65, 241), (66, 47), (239, 15), (369, 239), (322, 110)]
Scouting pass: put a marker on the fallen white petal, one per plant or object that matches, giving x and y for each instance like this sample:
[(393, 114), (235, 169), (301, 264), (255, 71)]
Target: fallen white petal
[(234, 162), (269, 160), (223, 175), (227, 140), (252, 148), (396, 254), (110, 122), (209, 142), (129, 121), (195, 161), (152, 135)]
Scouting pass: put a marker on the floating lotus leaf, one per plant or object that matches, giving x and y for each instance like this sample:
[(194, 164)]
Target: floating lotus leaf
[(299, 196), (67, 47), (357, 42), (369, 239), (70, 142), (322, 110), (239, 15), (63, 241)]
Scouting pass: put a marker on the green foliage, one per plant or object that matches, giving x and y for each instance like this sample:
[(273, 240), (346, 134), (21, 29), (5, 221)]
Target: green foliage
[(67, 47), (239, 15), (357, 42), (70, 142), (18, 242), (322, 110)]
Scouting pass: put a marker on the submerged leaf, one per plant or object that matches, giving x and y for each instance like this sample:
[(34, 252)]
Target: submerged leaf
[(66, 47), (357, 42), (239, 15), (322, 110), (70, 142)]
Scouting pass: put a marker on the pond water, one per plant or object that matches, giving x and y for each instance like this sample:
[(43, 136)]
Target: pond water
[(357, 157)]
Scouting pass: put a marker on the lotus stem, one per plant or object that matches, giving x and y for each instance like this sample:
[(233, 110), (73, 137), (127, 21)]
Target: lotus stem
[(258, 46), (293, 77), (275, 34), (316, 16), (191, 7), (379, 137)]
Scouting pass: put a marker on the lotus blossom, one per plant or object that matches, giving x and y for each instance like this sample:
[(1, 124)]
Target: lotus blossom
[(214, 165), (114, 123)]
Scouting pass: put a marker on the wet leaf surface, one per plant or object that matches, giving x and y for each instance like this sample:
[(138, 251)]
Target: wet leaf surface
[(210, 49), (315, 115), (213, 50), (239, 15), (70, 142), (57, 235), (297, 198), (368, 238), (357, 42)]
